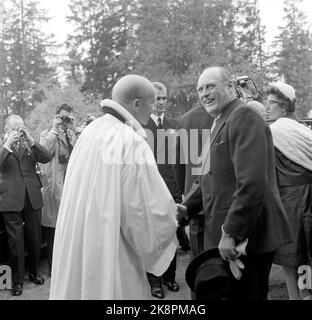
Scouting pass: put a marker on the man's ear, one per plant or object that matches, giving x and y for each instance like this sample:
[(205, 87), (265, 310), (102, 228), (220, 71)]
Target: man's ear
[(136, 104)]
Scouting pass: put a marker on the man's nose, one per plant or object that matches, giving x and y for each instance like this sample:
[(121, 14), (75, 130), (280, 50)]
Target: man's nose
[(206, 92)]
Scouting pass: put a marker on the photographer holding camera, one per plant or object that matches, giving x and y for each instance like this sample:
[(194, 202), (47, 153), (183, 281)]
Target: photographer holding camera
[(59, 140), (21, 200)]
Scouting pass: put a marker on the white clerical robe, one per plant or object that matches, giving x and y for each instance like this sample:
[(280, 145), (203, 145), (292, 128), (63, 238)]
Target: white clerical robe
[(117, 217)]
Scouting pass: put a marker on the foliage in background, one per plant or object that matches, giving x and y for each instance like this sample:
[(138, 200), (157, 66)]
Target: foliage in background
[(171, 41), (23, 54), (293, 55), (54, 95)]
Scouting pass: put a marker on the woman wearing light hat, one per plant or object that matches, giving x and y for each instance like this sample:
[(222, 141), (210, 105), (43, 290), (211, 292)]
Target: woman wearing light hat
[(293, 146)]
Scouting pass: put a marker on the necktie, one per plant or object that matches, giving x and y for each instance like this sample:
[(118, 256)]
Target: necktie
[(214, 124), (159, 124), (69, 146)]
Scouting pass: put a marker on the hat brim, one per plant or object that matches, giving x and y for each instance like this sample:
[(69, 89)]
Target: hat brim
[(190, 273)]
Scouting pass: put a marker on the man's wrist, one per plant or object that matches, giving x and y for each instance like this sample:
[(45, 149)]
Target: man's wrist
[(8, 147)]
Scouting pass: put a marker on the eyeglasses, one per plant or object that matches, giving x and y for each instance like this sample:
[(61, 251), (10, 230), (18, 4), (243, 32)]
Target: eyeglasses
[(269, 102)]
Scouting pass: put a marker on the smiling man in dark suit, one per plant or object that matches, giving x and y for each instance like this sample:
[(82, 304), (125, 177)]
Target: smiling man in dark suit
[(238, 188), (160, 136), (21, 199)]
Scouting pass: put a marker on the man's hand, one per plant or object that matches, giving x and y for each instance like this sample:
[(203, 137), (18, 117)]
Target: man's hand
[(28, 137), (181, 212), (72, 124), (13, 137), (57, 121), (227, 247)]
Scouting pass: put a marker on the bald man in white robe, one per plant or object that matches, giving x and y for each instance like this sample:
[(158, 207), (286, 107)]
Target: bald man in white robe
[(117, 217)]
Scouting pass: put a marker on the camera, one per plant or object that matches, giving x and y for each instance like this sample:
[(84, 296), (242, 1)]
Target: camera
[(245, 88), (20, 131), (66, 119)]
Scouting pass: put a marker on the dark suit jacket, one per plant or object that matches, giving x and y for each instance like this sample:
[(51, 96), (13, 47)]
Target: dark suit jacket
[(240, 188), (162, 148), (18, 174), (197, 118)]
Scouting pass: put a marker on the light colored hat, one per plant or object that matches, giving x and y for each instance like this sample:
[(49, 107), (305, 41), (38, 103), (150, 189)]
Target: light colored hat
[(287, 90)]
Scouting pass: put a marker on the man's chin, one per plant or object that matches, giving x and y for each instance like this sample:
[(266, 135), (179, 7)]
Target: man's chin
[(211, 108), (143, 122)]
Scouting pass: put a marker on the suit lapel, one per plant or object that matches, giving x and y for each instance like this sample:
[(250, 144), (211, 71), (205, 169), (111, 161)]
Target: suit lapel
[(62, 139), (166, 124), (15, 152), (219, 125), (21, 150), (221, 122)]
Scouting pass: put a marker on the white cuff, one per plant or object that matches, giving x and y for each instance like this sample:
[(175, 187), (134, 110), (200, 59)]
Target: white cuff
[(164, 261), (53, 131), (10, 150)]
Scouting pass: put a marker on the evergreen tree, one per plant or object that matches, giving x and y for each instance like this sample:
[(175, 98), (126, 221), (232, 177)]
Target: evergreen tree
[(103, 31), (25, 48), (294, 55)]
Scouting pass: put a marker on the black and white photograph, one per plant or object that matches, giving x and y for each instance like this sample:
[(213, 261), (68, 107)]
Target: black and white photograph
[(156, 150)]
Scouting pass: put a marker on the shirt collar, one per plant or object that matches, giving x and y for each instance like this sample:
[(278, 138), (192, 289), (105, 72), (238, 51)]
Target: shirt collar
[(155, 118), (130, 120)]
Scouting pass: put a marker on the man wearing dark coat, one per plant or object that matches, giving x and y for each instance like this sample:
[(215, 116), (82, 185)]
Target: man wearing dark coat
[(198, 121), (160, 135), (193, 130), (21, 199), (237, 188)]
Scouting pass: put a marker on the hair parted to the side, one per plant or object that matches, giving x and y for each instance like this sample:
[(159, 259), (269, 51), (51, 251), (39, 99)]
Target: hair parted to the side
[(65, 107)]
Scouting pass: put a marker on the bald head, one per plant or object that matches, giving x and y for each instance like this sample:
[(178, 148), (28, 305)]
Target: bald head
[(132, 87), (136, 94)]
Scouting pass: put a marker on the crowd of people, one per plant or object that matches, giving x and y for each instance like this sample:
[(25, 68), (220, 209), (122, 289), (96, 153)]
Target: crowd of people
[(114, 200)]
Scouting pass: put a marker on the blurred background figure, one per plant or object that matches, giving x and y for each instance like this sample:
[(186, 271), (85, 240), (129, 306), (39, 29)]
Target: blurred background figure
[(21, 199), (89, 119), (59, 140), (293, 147)]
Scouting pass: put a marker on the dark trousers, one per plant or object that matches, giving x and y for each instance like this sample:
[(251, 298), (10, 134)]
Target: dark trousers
[(16, 235), (50, 233), (196, 226), (183, 238), (254, 284), (168, 276)]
